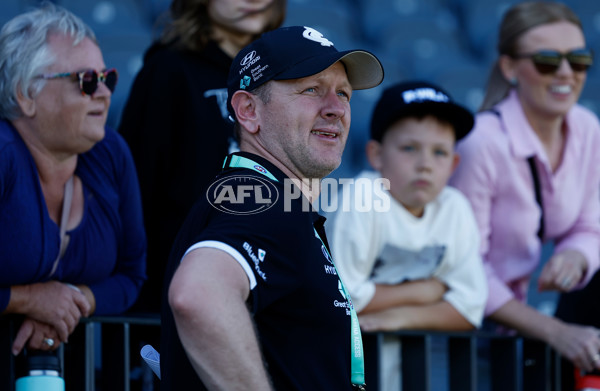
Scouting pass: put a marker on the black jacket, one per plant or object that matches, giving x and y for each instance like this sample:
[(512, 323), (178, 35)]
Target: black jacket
[(175, 122)]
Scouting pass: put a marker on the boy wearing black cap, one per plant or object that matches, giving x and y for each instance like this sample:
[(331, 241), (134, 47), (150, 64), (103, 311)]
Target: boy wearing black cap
[(254, 301), (416, 264)]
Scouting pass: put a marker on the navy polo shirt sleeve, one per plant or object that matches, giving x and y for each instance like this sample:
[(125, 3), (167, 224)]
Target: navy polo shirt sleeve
[(235, 254), (261, 245)]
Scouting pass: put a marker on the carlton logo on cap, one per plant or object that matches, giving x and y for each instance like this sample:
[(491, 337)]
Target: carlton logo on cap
[(314, 35), (424, 94)]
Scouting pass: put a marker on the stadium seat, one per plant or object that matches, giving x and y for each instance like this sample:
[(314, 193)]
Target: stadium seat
[(379, 15), (481, 23), (450, 42), (334, 21), (590, 96), (422, 47), (10, 8), (125, 53), (155, 10), (466, 82), (109, 17), (589, 13)]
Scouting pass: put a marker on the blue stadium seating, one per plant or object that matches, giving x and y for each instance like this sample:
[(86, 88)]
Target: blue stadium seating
[(481, 23), (333, 21), (379, 15), (362, 105), (154, 10), (109, 17), (422, 47), (9, 9), (590, 96), (450, 42), (465, 82), (589, 13), (124, 52)]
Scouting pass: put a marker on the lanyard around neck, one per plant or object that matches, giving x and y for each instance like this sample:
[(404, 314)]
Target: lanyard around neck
[(357, 364), (243, 162)]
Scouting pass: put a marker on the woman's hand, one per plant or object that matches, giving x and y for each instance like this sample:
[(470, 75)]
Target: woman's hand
[(580, 344), (37, 335), (53, 303), (563, 271)]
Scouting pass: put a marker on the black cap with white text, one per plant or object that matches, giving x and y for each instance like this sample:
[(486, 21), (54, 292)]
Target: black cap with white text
[(416, 99), (295, 52)]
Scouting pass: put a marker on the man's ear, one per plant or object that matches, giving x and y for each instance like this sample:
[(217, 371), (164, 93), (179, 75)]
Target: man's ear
[(373, 150), (27, 105), (244, 106)]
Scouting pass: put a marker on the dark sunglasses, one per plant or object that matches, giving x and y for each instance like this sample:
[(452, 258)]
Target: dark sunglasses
[(548, 61), (88, 80)]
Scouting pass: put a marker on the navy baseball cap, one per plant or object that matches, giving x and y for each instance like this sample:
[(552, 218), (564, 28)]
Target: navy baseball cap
[(417, 99), (295, 52)]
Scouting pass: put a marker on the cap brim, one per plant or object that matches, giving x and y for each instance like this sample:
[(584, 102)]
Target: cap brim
[(363, 69)]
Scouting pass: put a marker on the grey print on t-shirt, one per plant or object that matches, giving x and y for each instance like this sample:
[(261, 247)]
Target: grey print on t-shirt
[(395, 265)]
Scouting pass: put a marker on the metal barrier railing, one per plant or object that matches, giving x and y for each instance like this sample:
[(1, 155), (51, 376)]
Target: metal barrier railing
[(512, 363), (90, 348)]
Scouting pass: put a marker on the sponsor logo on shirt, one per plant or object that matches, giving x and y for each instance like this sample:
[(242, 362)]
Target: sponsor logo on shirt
[(330, 270), (326, 254), (346, 304), (256, 259), (260, 168)]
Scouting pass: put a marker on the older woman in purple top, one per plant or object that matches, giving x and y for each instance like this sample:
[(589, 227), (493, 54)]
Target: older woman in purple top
[(530, 129), (72, 241)]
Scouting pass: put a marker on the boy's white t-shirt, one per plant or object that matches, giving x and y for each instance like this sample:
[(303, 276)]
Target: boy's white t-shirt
[(388, 247)]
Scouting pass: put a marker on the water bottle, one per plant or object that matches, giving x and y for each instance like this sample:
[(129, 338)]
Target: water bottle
[(41, 373), (587, 381)]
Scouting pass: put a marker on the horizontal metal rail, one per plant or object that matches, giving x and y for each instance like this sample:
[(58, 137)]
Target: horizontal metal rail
[(512, 362)]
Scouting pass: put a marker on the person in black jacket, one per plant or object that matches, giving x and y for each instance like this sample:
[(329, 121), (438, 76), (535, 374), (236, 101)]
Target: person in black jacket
[(176, 121)]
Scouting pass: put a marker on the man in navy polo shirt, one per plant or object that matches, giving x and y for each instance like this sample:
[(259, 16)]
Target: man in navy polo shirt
[(254, 301)]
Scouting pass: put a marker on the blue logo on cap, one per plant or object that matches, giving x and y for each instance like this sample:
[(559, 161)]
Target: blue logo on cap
[(244, 82)]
